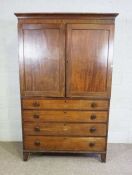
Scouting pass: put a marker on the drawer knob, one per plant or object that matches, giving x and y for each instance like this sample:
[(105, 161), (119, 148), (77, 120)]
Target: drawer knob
[(37, 143), (92, 130), (93, 117), (35, 116), (36, 104), (93, 105), (91, 144), (37, 129)]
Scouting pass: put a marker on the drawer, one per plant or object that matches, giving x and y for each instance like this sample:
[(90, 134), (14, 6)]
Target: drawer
[(65, 104), (65, 129), (64, 116), (47, 143)]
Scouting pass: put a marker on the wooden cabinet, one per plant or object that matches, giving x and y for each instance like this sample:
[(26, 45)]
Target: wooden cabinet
[(65, 65)]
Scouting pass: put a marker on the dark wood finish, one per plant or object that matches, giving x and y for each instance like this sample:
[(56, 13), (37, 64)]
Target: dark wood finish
[(65, 65), (43, 60), (64, 129), (103, 157), (88, 71), (64, 116), (25, 156), (64, 143), (70, 16), (65, 104)]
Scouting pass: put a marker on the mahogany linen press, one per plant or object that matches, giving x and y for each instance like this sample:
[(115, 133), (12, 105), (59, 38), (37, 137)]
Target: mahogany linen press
[(65, 65)]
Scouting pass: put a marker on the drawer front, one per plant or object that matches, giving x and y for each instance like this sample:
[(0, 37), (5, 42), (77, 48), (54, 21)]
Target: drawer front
[(64, 143), (65, 129), (65, 104), (64, 116)]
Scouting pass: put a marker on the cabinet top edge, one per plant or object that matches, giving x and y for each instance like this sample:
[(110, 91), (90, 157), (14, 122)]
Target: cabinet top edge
[(68, 15)]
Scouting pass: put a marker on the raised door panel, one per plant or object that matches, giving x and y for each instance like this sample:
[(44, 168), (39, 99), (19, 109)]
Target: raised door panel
[(89, 53), (42, 60)]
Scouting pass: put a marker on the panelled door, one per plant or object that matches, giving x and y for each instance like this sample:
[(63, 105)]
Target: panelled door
[(89, 53), (42, 62)]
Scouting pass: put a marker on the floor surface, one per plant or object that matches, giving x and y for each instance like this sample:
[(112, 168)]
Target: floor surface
[(119, 162)]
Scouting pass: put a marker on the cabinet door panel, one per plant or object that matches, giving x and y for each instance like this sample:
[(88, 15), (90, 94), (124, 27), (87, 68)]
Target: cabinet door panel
[(43, 60), (89, 49)]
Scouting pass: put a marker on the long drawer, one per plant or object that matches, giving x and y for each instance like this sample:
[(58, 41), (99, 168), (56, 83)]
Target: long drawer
[(46, 143), (67, 129), (64, 116), (65, 104)]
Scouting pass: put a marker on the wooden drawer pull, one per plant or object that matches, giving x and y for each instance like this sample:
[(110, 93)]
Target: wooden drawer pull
[(93, 129), (37, 143), (36, 104), (35, 116), (93, 117), (37, 129), (93, 105), (91, 144)]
